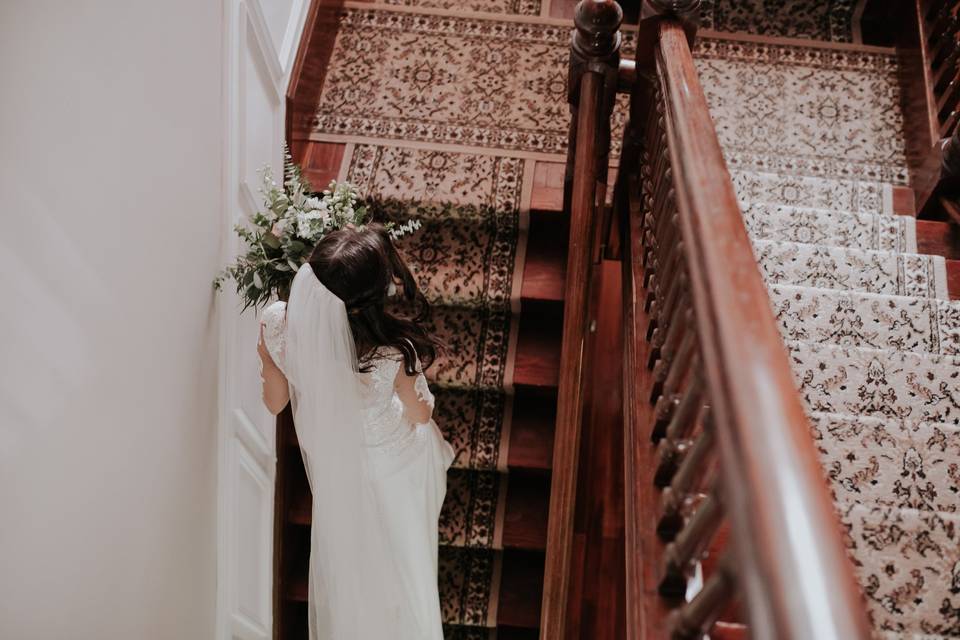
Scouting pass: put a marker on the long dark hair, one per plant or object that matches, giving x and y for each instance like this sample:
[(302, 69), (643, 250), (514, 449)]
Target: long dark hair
[(358, 265)]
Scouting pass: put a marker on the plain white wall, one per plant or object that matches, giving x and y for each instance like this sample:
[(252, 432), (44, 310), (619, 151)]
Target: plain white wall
[(110, 182)]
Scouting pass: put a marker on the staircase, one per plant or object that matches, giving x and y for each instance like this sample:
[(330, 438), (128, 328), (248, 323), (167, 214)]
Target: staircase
[(458, 116)]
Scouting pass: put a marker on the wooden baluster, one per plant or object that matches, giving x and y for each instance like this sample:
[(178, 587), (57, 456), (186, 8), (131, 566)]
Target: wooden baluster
[(675, 445), (689, 545), (694, 619), (667, 376), (675, 497)]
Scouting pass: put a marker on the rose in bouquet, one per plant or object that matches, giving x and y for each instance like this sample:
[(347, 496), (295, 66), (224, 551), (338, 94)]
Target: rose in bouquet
[(280, 238)]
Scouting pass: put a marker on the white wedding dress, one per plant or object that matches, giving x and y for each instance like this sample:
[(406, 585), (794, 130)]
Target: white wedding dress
[(373, 566)]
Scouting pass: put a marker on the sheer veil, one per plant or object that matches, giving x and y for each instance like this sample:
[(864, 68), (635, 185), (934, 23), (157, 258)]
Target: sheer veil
[(355, 588)]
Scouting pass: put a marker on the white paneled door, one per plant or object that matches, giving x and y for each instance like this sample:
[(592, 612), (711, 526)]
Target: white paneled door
[(260, 42)]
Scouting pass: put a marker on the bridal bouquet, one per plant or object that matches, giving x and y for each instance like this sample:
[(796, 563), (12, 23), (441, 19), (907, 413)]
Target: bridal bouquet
[(281, 237)]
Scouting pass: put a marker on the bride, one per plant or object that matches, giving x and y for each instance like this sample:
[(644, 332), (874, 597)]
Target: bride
[(375, 459)]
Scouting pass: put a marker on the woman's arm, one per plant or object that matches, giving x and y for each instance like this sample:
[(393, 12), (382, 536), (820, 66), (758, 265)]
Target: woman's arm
[(276, 392), (417, 405)]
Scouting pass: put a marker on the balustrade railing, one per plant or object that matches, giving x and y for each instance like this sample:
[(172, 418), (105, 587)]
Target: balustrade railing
[(719, 455)]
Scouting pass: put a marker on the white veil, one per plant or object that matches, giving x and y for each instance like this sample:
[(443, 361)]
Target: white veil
[(355, 589)]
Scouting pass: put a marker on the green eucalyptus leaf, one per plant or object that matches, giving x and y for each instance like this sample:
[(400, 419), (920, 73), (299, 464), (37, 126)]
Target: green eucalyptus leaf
[(271, 241)]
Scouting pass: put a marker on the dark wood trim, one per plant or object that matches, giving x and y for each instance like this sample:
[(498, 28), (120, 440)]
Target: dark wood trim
[(594, 61)]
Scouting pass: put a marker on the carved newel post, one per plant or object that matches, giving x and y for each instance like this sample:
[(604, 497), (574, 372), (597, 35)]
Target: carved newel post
[(594, 49)]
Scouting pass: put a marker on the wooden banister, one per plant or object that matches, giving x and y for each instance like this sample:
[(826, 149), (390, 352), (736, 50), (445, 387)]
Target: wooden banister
[(592, 80), (794, 571), (732, 470)]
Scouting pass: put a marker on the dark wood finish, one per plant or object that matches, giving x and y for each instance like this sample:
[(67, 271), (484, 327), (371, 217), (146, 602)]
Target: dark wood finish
[(531, 431), (546, 264), (938, 238), (310, 66), (953, 279), (917, 100), (525, 514), (521, 589), (597, 598), (904, 201), (714, 340), (320, 161), (537, 361), (773, 480), (594, 61)]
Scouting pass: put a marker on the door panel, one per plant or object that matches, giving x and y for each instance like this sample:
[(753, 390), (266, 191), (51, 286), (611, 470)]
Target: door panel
[(260, 38)]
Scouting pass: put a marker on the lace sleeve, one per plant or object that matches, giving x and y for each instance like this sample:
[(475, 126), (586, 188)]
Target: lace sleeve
[(415, 395), (274, 332), (423, 391)]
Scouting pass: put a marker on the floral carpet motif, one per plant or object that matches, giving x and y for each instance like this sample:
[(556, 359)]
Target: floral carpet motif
[(825, 267), (922, 325), (516, 7), (825, 113), (813, 139), (443, 79), (465, 258), (828, 20), (832, 228)]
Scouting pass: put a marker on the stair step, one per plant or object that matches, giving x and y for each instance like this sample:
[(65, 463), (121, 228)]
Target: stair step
[(521, 589), (525, 515), (908, 562), (545, 267), (852, 270), (888, 462), (858, 196), (879, 383), (923, 325), (537, 362), (863, 231), (531, 433)]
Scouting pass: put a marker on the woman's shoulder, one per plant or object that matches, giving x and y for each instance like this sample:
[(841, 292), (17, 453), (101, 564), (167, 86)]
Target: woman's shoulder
[(274, 313)]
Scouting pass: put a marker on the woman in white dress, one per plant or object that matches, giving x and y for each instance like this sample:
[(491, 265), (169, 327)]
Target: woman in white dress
[(375, 459)]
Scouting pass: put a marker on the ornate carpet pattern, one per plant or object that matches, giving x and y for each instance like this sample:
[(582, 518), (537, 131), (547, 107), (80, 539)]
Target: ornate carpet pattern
[(516, 7), (815, 145), (828, 20), (442, 79), (466, 257), (844, 117), (421, 77)]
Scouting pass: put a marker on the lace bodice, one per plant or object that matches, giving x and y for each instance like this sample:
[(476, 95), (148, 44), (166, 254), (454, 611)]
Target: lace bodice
[(386, 404)]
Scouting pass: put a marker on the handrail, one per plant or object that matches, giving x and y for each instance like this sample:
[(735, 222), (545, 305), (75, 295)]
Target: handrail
[(592, 81), (797, 580), (735, 450)]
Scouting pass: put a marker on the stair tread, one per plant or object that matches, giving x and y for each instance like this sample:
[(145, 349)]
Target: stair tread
[(866, 231), (852, 318), (863, 196), (876, 382), (852, 269)]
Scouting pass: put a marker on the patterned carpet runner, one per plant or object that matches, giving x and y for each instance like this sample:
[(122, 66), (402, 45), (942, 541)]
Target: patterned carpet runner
[(443, 112), (815, 142)]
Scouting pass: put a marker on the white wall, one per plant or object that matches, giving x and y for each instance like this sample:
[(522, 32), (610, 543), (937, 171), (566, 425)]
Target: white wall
[(110, 232)]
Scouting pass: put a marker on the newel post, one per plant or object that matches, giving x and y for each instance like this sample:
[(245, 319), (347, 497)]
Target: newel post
[(594, 49)]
